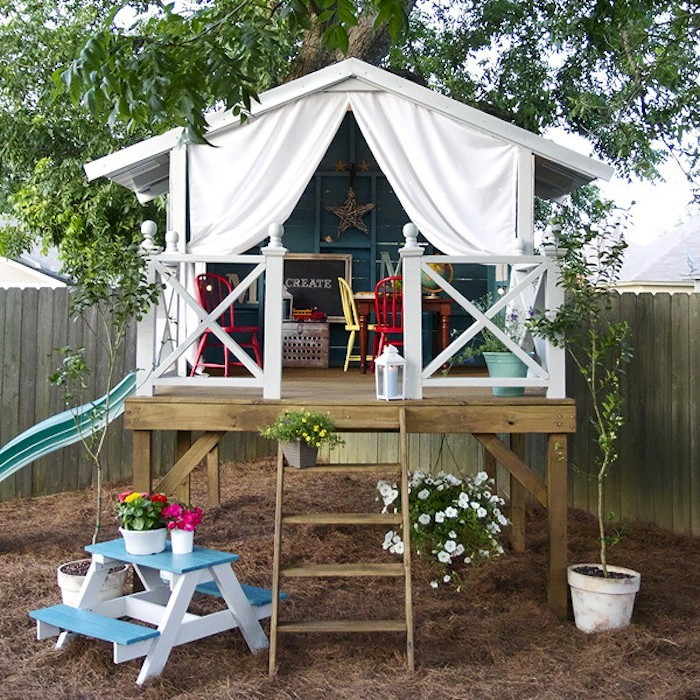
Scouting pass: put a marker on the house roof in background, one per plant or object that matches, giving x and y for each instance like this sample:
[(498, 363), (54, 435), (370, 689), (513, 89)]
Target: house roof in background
[(673, 257), (144, 166)]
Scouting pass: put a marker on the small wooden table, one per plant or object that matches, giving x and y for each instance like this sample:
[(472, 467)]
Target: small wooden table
[(365, 306), (170, 581)]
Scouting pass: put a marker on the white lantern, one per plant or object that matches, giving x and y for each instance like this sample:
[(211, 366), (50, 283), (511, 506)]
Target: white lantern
[(390, 374)]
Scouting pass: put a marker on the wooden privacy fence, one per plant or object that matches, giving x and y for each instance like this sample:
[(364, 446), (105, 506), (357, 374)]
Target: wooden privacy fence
[(657, 478)]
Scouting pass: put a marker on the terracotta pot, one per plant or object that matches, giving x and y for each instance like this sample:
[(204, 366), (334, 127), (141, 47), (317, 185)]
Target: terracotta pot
[(144, 541), (602, 603)]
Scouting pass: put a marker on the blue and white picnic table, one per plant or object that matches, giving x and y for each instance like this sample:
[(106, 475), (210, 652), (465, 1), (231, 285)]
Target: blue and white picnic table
[(170, 581)]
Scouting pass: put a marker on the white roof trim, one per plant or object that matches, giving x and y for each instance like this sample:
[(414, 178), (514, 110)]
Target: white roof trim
[(351, 75)]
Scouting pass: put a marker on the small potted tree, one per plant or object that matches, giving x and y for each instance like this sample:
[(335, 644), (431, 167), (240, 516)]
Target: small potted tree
[(301, 433), (590, 259)]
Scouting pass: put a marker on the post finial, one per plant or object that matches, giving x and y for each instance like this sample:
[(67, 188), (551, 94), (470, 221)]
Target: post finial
[(148, 231), (275, 231), (171, 239), (410, 233)]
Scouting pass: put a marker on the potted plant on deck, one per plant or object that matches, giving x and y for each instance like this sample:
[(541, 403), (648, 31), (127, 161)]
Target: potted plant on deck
[(182, 520), (590, 260), (500, 360), (300, 434)]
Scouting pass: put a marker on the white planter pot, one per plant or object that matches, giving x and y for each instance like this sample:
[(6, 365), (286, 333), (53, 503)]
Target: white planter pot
[(602, 603), (144, 541), (70, 584), (299, 454), (181, 541)]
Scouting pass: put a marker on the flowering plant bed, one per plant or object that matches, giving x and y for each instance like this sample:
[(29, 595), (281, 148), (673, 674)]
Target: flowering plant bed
[(454, 521)]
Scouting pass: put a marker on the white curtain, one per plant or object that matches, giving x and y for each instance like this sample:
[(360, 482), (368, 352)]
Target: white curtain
[(256, 173), (455, 183)]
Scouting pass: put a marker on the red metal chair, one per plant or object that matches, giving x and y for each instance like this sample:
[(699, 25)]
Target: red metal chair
[(211, 290), (388, 308)]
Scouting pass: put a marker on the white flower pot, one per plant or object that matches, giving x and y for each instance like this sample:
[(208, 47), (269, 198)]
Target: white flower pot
[(144, 541), (602, 603), (181, 541), (299, 454), (70, 584)]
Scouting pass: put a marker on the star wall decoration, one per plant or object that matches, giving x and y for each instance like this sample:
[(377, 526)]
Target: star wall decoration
[(363, 166), (351, 213), (340, 166)]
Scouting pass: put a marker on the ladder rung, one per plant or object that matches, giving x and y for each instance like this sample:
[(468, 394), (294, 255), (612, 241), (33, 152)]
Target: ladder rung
[(344, 626), (340, 468), (356, 569), (342, 518)]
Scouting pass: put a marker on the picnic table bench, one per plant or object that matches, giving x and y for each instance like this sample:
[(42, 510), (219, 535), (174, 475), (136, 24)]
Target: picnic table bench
[(170, 581)]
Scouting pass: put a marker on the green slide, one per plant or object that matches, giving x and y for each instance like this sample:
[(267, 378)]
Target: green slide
[(65, 428)]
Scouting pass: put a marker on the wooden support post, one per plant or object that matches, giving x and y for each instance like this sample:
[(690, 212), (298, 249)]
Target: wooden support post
[(489, 464), (183, 442), (141, 469), (518, 499), (557, 594), (213, 477)]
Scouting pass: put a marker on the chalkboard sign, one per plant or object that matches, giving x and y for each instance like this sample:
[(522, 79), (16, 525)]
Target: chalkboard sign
[(312, 280)]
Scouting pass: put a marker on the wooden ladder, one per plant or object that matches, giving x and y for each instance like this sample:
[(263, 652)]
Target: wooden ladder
[(359, 569)]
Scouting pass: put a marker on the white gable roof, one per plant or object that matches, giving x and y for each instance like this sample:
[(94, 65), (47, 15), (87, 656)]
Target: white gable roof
[(144, 167), (669, 258)]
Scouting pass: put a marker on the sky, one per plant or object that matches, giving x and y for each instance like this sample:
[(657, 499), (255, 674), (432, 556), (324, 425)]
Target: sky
[(658, 207)]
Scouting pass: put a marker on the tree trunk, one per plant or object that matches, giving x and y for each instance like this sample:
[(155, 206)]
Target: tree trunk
[(364, 41)]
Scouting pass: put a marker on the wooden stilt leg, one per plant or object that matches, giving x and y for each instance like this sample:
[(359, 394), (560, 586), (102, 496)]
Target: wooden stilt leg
[(141, 467), (518, 498), (557, 594), (213, 477), (182, 444)]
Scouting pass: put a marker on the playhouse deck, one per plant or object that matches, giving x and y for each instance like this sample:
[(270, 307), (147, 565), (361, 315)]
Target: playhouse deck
[(350, 399)]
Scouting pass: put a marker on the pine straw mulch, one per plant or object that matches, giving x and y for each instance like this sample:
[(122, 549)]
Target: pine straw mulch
[(495, 638)]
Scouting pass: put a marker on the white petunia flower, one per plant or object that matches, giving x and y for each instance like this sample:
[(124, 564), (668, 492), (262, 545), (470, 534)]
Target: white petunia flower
[(502, 519), (475, 505), (446, 578), (424, 494), (481, 513), (444, 557), (450, 546), (396, 548), (463, 501), (424, 519), (451, 512), (434, 584), (467, 560), (481, 478), (452, 534), (459, 551), (387, 539)]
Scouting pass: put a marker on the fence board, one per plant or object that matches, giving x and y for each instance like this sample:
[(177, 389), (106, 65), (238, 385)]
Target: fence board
[(679, 452), (11, 353), (694, 411), (630, 434)]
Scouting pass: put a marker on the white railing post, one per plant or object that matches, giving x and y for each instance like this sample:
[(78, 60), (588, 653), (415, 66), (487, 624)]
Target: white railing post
[(146, 329), (274, 254), (411, 255), (553, 299)]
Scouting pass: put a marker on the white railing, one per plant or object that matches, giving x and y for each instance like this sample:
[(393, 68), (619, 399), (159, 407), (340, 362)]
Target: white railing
[(169, 333), (533, 285)]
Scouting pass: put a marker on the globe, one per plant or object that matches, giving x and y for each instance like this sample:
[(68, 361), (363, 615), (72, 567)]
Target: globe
[(429, 285)]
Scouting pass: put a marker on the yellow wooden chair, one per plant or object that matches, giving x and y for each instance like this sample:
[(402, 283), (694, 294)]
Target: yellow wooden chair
[(352, 321)]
